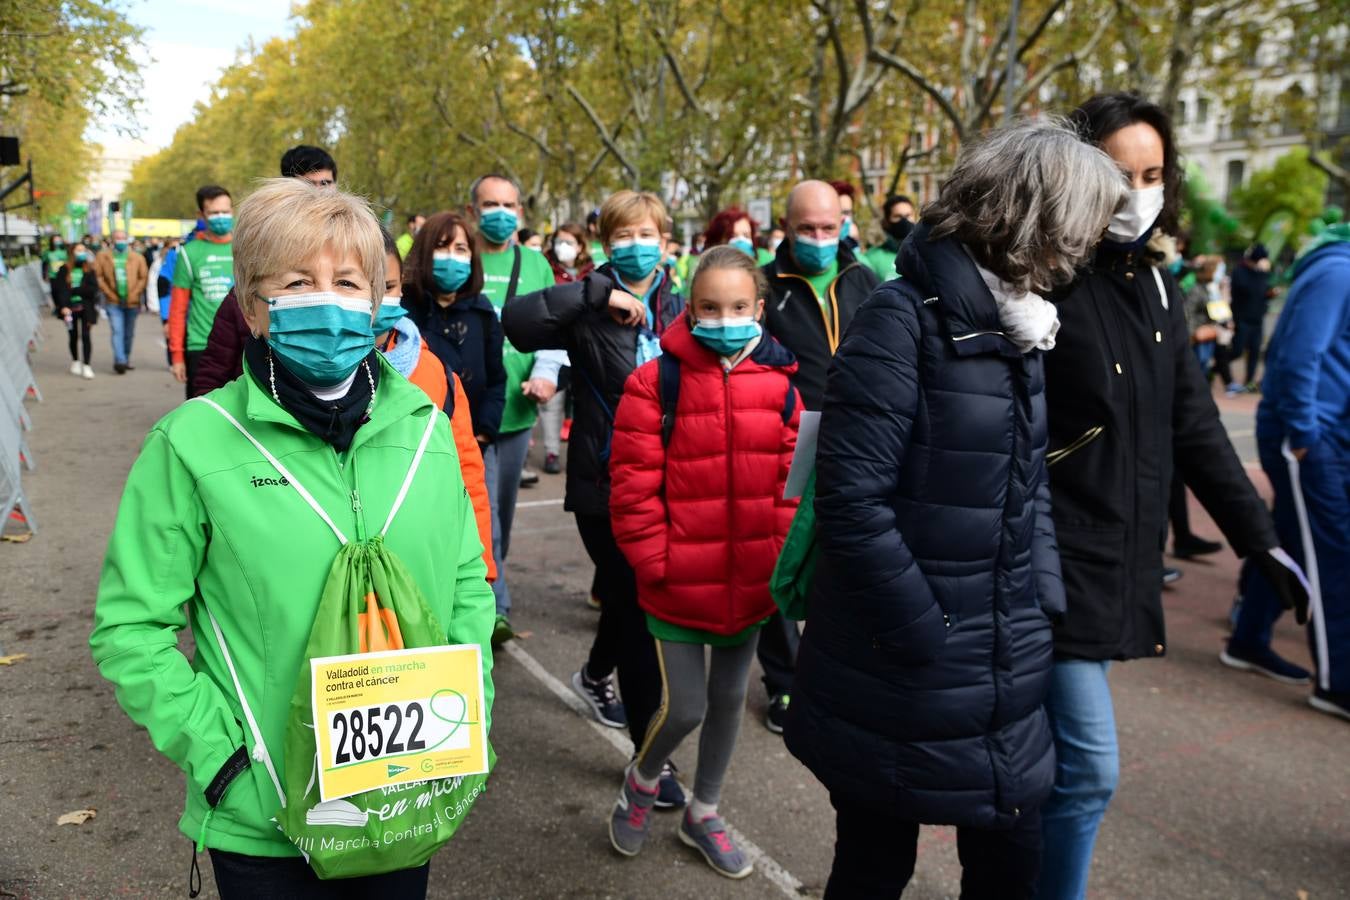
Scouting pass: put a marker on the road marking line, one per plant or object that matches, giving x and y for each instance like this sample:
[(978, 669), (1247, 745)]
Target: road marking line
[(764, 864), (530, 504)]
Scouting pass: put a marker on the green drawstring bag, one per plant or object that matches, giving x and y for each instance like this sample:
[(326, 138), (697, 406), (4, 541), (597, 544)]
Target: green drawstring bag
[(790, 583), (372, 607)]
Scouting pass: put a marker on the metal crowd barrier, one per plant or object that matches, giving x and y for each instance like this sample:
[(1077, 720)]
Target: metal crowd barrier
[(23, 299)]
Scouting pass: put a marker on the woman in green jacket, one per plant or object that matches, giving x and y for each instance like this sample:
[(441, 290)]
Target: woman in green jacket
[(210, 535)]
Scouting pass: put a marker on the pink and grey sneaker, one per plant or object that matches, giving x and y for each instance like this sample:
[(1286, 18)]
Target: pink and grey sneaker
[(709, 837), (631, 819)]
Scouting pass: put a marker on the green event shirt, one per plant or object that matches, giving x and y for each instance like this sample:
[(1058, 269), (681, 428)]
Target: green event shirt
[(55, 260), (535, 275), (404, 244), (881, 260), (678, 634), (598, 257), (820, 282), (207, 269), (76, 279), (120, 267)]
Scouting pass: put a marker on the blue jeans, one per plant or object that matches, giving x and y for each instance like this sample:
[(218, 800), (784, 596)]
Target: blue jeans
[(122, 321), (503, 461), (1087, 771)]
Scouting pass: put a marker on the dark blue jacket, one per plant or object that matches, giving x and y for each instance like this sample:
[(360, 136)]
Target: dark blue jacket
[(466, 337), (927, 649)]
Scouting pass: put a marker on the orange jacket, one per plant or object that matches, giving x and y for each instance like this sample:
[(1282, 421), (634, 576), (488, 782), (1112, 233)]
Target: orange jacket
[(430, 375)]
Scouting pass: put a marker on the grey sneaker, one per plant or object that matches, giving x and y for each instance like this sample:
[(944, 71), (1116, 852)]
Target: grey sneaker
[(710, 838), (630, 821)]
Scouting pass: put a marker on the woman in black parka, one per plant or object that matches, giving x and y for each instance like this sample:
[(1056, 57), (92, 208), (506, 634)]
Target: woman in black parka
[(927, 646)]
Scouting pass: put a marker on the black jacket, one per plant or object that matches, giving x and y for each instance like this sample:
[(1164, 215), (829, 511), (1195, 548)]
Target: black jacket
[(602, 353), (1127, 398), (466, 337), (794, 316), (1250, 289), (85, 296), (927, 651)]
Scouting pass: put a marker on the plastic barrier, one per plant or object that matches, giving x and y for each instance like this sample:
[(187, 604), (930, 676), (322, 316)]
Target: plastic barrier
[(23, 299)]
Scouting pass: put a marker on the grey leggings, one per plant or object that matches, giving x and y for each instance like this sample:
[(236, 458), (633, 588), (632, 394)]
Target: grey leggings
[(687, 690)]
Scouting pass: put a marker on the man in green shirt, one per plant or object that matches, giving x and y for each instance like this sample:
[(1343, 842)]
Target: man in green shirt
[(897, 220), (202, 276), (531, 378), (405, 240), (122, 278)]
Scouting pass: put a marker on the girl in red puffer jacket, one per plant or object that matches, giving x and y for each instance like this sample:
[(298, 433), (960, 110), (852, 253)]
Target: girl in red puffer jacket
[(698, 509)]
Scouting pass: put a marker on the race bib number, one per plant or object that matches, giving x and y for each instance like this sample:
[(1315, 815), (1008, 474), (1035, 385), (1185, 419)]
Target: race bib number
[(398, 717)]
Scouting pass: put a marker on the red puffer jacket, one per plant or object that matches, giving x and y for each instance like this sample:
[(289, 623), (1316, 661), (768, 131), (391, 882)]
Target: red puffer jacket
[(702, 521)]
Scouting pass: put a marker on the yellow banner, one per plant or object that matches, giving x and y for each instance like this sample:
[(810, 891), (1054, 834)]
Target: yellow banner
[(398, 717)]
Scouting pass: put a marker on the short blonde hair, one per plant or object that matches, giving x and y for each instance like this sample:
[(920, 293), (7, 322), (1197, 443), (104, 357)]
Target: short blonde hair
[(287, 222), (630, 208)]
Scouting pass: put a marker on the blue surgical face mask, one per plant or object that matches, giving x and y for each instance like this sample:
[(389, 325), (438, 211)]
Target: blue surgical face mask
[(120, 246), (813, 255), (321, 337), (743, 244), (390, 311), (220, 223), (726, 336), (81, 256), (450, 272), (635, 258), (846, 228), (498, 224)]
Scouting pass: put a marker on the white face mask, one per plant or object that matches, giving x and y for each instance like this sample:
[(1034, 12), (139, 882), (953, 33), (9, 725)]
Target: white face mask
[(1137, 216), (565, 251)]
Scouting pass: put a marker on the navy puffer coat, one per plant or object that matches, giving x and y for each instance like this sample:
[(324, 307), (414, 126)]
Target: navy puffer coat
[(927, 649)]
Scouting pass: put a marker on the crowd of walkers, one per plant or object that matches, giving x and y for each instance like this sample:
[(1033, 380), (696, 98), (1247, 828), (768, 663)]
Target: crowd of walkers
[(1010, 391)]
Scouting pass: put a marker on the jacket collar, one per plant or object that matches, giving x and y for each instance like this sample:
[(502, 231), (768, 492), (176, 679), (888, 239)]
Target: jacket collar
[(680, 342), (944, 274)]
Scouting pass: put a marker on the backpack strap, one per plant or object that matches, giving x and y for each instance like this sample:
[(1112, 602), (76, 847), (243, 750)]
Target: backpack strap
[(668, 386), (789, 404), (515, 274), (281, 469), (432, 419)]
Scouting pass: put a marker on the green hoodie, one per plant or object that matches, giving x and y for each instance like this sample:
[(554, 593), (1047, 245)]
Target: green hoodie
[(205, 521)]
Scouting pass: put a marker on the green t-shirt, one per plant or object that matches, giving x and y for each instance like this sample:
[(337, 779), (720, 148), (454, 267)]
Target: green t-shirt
[(820, 283), (404, 244), (120, 267), (881, 260), (535, 275), (55, 260), (678, 634), (76, 279), (207, 269), (598, 257)]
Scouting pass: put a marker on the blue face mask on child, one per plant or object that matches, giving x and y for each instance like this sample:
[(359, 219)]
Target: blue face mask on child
[(390, 311), (726, 336), (321, 337)]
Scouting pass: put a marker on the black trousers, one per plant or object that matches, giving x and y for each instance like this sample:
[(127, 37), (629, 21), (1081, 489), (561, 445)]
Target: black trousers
[(874, 857), (79, 334), (240, 877), (1247, 342), (621, 640), (778, 642), (190, 359)]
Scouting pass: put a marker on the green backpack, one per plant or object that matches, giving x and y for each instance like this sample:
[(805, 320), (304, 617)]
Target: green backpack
[(795, 570), (369, 602)]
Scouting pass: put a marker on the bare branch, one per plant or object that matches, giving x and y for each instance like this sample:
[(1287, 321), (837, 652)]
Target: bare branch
[(605, 137), (1073, 59)]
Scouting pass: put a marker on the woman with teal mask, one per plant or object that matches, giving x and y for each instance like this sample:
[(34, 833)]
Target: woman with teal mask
[(75, 296), (234, 512)]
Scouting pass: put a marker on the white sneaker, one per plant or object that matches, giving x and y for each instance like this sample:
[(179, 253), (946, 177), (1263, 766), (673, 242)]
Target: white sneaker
[(75, 367), (87, 372)]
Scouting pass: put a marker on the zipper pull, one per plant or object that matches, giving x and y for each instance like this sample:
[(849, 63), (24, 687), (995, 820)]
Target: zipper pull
[(356, 502)]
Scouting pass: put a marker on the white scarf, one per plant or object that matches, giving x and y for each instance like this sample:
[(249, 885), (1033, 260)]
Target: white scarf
[(1029, 320)]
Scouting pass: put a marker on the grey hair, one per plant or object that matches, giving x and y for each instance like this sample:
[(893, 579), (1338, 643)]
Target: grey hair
[(492, 176), (1030, 201)]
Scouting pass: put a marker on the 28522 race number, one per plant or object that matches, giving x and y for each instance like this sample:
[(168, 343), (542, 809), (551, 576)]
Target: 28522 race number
[(364, 734)]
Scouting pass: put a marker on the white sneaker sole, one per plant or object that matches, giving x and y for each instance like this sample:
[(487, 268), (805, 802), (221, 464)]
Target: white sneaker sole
[(580, 690), (1242, 665), (1328, 707), (690, 842)]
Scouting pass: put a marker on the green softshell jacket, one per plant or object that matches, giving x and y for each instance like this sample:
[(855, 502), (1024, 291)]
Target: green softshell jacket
[(206, 522)]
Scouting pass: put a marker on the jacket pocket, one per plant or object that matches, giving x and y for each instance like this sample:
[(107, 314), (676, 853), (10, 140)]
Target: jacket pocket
[(917, 642), (1092, 561), (1054, 456)]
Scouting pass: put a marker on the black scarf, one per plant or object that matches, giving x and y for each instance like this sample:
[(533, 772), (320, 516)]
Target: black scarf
[(333, 421)]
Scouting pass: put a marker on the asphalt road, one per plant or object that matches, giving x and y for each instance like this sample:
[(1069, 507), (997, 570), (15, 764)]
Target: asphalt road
[(1231, 786)]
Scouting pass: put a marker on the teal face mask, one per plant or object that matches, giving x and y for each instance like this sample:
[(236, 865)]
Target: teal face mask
[(120, 246), (813, 255), (450, 272), (726, 336), (635, 259), (220, 223), (81, 257), (390, 311), (321, 337), (846, 228), (497, 224), (743, 244)]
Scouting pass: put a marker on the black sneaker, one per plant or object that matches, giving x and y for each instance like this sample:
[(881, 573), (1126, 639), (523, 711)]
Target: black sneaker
[(552, 466), (600, 697), (1170, 575), (669, 794), (1189, 546), (528, 478), (777, 713), (120, 368), (1331, 704), (1264, 661)]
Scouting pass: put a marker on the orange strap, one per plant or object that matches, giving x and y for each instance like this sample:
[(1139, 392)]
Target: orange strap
[(378, 627)]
